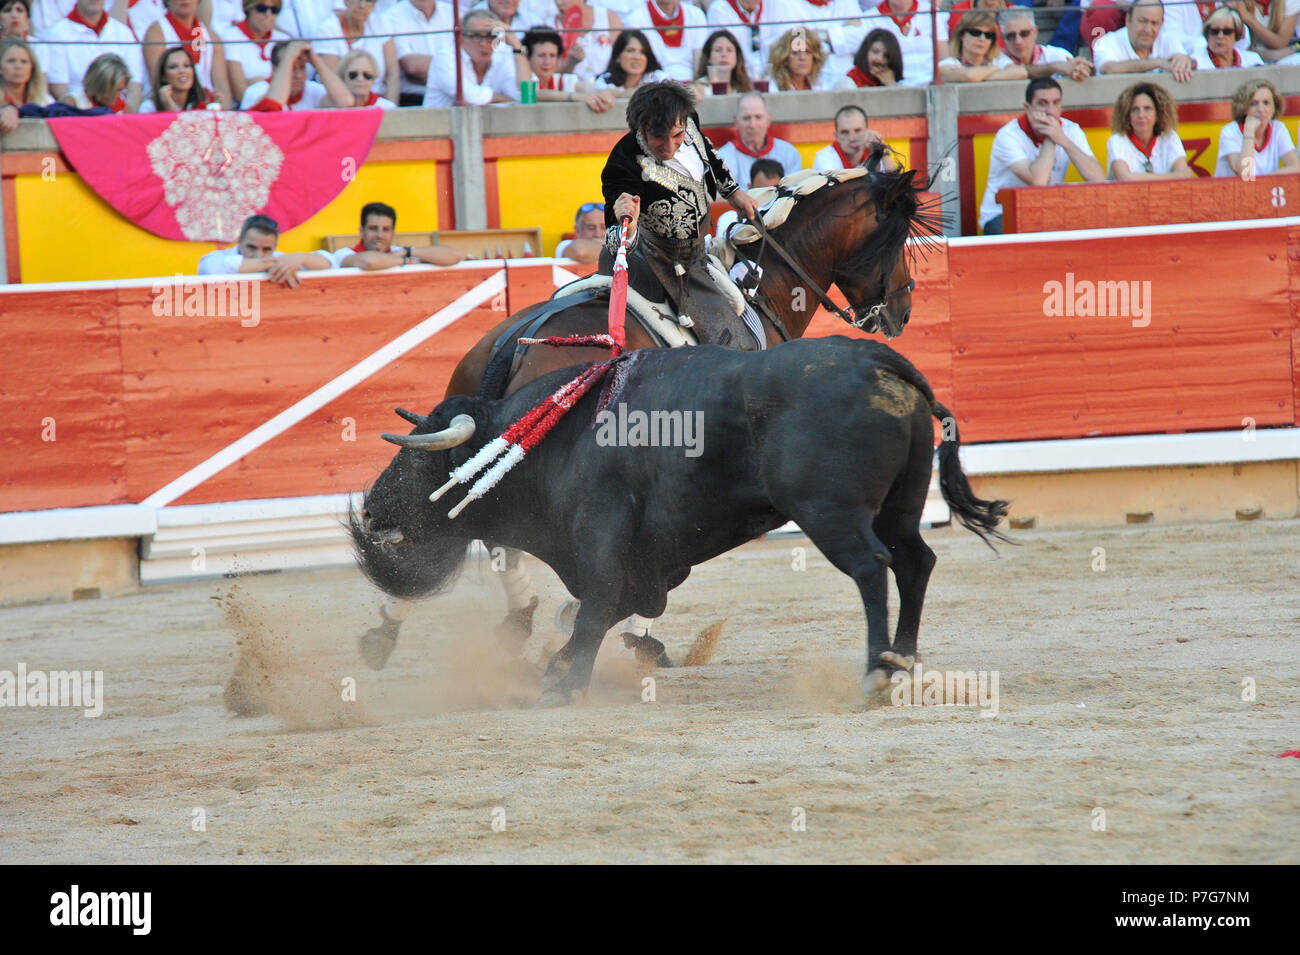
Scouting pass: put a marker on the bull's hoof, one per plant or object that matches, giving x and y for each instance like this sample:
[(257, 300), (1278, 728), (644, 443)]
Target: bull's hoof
[(513, 632), (377, 645), (901, 662), (649, 651), (566, 617), (553, 698), (876, 681)]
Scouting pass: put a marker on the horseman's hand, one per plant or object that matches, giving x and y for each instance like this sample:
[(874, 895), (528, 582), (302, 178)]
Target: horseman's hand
[(744, 203), (628, 205)]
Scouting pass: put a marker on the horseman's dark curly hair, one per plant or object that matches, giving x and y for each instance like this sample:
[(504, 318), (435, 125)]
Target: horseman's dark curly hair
[(655, 108)]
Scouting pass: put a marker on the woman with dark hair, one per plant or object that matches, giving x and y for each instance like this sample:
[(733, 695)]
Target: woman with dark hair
[(722, 49), (1256, 142), (631, 63), (878, 62), (1145, 144), (663, 175), (975, 54), (181, 26), (176, 87), (544, 52)]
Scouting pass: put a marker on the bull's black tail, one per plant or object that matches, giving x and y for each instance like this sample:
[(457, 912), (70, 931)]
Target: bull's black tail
[(976, 515)]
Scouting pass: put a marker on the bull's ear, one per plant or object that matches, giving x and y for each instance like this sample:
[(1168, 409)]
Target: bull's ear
[(419, 420)]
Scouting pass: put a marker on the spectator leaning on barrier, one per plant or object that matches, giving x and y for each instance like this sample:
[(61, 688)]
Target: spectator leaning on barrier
[(255, 252), (1142, 46), (181, 26), (1145, 144), (357, 72), (975, 54), (676, 31), (375, 251), (1256, 143), (422, 31), (489, 73), (247, 45), (588, 235), (632, 62), (1035, 150), (76, 40), (543, 49), (176, 87), (1274, 28), (852, 137), (1020, 32), (798, 59), (878, 62), (752, 141), (289, 87), (1223, 29), (103, 85), (358, 27)]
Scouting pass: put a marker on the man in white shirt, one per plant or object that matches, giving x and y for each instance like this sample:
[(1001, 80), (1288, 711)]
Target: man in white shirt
[(676, 32), (487, 75), (757, 24), (84, 34), (423, 22), (255, 252), (375, 250), (1142, 46), (1020, 34), (752, 141), (1035, 150), (588, 235), (852, 137)]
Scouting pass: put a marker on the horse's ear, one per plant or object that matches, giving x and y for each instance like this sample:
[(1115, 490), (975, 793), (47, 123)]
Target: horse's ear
[(900, 188)]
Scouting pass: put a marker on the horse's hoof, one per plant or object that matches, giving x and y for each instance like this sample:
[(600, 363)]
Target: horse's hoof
[(377, 646), (649, 651), (903, 663), (553, 698), (876, 681), (567, 616), (513, 632)]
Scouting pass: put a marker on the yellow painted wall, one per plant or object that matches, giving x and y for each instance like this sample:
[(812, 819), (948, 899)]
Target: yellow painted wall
[(546, 191), (1097, 137), (67, 233)]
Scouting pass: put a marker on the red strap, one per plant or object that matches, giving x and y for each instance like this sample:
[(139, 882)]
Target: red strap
[(744, 17), (863, 79), (670, 30), (76, 17), (343, 28), (119, 105), (1219, 65)]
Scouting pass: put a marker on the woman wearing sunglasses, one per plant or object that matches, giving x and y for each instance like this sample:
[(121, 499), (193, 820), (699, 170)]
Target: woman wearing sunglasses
[(248, 44), (975, 54), (358, 27), (1145, 143), (1223, 30), (358, 71)]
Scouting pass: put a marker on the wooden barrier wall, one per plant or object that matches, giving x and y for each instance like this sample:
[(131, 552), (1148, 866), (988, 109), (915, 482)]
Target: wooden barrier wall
[(107, 401)]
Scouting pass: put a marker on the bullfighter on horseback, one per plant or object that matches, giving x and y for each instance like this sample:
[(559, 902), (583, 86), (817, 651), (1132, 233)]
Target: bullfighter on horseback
[(664, 175)]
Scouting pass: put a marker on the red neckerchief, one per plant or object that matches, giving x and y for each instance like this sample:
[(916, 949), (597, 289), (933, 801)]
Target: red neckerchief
[(10, 102), (263, 42), (119, 105), (359, 247), (905, 22), (819, 3), (863, 79), (193, 45), (296, 99), (845, 161), (1029, 130), (1263, 5), (572, 21), (1236, 60), (76, 17), (768, 145), (266, 105), (1144, 150), (1268, 134), (372, 99), (671, 37), (343, 28), (744, 17)]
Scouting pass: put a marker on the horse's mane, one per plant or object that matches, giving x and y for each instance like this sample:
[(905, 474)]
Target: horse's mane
[(812, 221)]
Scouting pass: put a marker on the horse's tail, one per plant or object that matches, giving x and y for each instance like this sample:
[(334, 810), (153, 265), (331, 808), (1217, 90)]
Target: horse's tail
[(979, 516)]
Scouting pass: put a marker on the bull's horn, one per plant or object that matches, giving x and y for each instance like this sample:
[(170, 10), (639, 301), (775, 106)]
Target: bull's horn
[(458, 432), (419, 420)]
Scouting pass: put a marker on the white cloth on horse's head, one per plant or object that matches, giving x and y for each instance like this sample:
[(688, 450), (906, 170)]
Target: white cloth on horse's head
[(792, 180)]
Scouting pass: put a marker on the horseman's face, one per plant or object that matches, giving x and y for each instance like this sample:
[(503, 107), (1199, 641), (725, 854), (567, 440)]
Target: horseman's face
[(377, 233), (665, 147)]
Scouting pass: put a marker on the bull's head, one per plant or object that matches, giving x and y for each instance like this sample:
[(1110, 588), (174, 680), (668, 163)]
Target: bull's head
[(403, 543)]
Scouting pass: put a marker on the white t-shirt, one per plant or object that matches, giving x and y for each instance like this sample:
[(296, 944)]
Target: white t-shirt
[(677, 61), (422, 39), (140, 16), (1048, 54), (914, 39), (1001, 61), (828, 159), (500, 78), (773, 17), (70, 59), (1011, 145), (1116, 48), (596, 45), (740, 163), (376, 35), (1168, 149), (225, 261), (45, 13), (1247, 57), (312, 95), (253, 58), (1267, 159)]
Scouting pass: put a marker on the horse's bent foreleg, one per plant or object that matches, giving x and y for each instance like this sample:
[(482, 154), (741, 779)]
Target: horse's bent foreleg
[(378, 642), (521, 597)]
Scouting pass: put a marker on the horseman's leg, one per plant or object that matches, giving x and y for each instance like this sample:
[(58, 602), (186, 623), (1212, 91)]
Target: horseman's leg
[(378, 642), (635, 631), (521, 598)]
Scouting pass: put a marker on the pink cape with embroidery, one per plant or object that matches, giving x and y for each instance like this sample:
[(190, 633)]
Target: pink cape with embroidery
[(197, 175)]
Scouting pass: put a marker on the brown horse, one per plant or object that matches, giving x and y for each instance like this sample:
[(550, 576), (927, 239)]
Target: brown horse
[(852, 234)]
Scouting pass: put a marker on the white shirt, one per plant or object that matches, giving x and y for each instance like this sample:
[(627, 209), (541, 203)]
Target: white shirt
[(832, 21), (423, 38), (1168, 149), (915, 43), (828, 159), (1267, 160), (654, 76), (141, 16), (722, 17), (1116, 48), (1203, 61), (69, 60), (376, 35), (253, 59), (596, 45), (203, 69), (740, 163), (1001, 61), (312, 95), (500, 78), (46, 13), (225, 261), (1048, 54), (1011, 145), (678, 62)]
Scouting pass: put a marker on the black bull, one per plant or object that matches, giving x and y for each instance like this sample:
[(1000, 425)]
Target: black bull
[(834, 434)]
